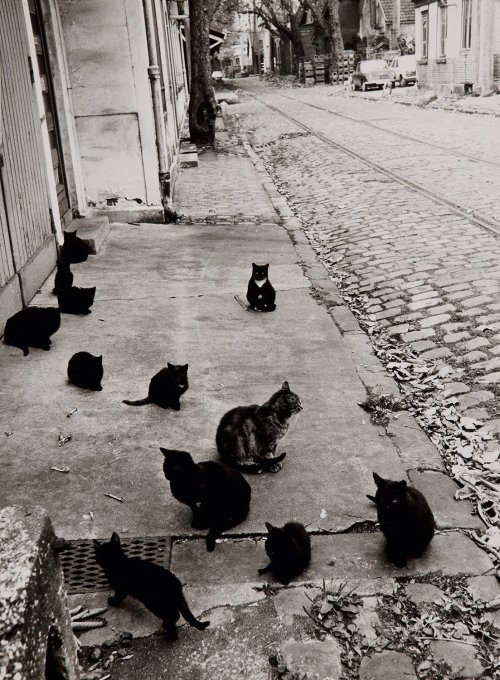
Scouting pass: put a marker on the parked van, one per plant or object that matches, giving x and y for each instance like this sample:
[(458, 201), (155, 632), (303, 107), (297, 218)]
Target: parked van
[(405, 69)]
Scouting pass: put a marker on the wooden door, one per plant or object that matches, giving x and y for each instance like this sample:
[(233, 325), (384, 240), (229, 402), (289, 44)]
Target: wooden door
[(49, 106), (23, 175)]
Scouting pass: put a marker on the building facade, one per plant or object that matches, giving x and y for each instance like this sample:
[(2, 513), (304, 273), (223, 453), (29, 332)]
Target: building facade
[(93, 99), (458, 45)]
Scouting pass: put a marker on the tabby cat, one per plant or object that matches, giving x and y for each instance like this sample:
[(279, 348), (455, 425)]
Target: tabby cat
[(247, 436), (63, 278), (219, 497), (261, 295), (74, 249), (85, 370), (32, 327), (157, 588), (165, 388), (76, 300), (289, 551), (405, 519)]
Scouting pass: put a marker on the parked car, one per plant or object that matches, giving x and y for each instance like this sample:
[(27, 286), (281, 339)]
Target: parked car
[(405, 69), (218, 76), (371, 73)]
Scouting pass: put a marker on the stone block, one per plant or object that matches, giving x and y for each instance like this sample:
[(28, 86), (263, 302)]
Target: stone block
[(188, 160), (454, 388), (434, 320), (474, 398), (423, 593), (460, 657), (93, 230), (476, 343), (388, 665), (33, 600), (318, 660), (418, 335)]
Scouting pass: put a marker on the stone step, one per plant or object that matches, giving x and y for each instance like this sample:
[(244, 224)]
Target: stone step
[(189, 160), (92, 230)]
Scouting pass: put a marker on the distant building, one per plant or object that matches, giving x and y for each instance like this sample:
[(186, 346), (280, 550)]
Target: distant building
[(93, 98), (372, 23), (458, 45)]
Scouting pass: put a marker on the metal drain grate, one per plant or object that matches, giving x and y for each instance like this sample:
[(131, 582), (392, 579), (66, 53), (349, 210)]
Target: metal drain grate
[(82, 573)]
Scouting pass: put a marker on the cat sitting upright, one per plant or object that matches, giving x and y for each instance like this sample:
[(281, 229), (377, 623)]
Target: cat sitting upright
[(165, 388), (63, 278), (261, 295), (76, 300), (289, 551), (219, 497), (405, 519), (86, 371), (32, 327), (157, 588), (74, 249), (247, 436)]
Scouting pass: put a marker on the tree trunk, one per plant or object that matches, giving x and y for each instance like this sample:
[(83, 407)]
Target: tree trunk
[(297, 45), (202, 103), (336, 36)]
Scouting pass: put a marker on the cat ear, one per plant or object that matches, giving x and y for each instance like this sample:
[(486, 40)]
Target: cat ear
[(165, 452), (115, 539), (265, 266), (253, 265), (269, 526), (186, 366), (100, 359), (371, 498), (96, 543), (402, 485), (285, 386), (379, 481), (169, 365), (94, 289)]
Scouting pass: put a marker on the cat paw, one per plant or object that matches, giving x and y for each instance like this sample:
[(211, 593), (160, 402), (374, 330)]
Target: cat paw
[(210, 544), (276, 467), (170, 631), (176, 407), (202, 625)]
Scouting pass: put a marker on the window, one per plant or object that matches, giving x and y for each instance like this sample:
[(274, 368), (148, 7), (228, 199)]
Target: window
[(466, 24), (443, 30), (425, 34)]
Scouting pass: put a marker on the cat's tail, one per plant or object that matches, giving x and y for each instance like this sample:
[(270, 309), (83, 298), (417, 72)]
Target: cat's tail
[(188, 615), (138, 402), (262, 466), (269, 308)]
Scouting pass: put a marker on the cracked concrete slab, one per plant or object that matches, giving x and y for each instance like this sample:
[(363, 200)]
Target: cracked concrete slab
[(439, 491), (339, 556), (114, 448)]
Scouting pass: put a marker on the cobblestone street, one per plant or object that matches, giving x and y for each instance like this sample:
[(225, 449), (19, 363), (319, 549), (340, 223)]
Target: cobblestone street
[(426, 273)]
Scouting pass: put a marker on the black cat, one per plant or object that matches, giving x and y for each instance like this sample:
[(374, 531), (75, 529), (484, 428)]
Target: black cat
[(74, 248), (63, 278), (165, 388), (76, 300), (218, 496), (405, 519), (157, 588), (289, 551), (261, 295), (85, 370), (32, 327)]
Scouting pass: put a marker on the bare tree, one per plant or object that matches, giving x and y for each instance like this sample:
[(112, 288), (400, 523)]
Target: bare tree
[(279, 17)]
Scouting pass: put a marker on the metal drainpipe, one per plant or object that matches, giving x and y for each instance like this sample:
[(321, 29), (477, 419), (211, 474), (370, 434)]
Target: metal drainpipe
[(154, 77)]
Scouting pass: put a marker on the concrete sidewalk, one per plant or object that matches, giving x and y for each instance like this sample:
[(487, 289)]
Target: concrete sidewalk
[(167, 293)]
